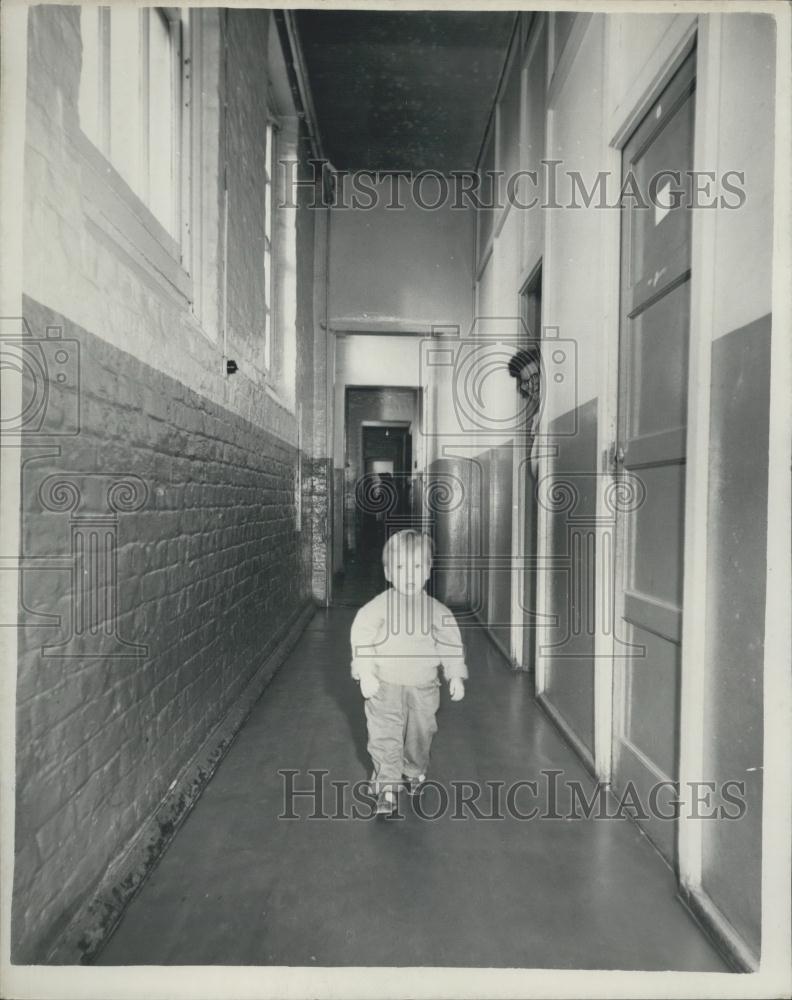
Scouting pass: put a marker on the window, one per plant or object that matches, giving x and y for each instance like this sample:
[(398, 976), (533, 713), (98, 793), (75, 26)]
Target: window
[(130, 99), (562, 26), (487, 193), (509, 123), (269, 206)]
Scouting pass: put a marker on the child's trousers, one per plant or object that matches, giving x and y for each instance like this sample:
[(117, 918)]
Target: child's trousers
[(401, 724)]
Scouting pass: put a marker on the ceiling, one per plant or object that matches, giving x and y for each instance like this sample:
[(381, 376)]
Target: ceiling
[(404, 91)]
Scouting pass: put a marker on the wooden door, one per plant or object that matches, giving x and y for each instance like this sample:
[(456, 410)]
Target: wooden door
[(650, 450)]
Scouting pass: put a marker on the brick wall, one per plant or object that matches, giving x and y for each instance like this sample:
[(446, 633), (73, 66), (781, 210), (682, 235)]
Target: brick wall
[(210, 569), (210, 572)]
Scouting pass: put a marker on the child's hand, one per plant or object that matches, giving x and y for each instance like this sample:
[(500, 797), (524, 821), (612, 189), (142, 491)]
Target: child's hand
[(456, 687), (369, 686)]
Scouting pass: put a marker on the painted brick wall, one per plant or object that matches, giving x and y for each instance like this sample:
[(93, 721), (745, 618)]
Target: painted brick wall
[(209, 574), (211, 569)]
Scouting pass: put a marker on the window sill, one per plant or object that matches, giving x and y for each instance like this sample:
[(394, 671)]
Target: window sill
[(276, 397), (119, 218)]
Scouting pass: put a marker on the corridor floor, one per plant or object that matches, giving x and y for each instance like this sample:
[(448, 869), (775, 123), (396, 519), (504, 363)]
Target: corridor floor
[(239, 886)]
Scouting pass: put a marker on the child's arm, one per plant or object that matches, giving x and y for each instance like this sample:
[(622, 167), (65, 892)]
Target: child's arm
[(452, 651), (363, 637)]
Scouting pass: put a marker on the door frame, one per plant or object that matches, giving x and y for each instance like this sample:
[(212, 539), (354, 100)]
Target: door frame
[(520, 457), (419, 451)]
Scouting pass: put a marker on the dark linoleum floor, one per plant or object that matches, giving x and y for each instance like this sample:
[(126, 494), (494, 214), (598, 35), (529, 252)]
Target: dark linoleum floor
[(240, 886)]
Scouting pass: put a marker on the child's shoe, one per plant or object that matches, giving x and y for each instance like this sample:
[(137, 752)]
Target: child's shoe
[(415, 783), (386, 803)]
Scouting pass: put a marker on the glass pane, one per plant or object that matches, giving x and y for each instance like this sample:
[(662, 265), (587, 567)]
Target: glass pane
[(267, 308), (161, 112), (658, 351), (536, 97), (89, 73), (125, 92), (487, 192), (268, 189), (267, 277), (563, 26), (662, 231), (268, 153), (268, 339), (509, 153)]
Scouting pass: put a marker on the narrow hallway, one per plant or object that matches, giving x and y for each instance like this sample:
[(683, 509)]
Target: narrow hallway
[(239, 886), (297, 292)]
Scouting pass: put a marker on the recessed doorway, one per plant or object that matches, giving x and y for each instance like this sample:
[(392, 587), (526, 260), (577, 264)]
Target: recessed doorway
[(381, 483)]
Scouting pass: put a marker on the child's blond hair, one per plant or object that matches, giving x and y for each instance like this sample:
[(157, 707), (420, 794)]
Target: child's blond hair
[(403, 539)]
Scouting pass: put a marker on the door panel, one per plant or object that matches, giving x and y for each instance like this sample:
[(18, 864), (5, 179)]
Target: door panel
[(658, 352), (656, 535), (653, 370), (656, 158), (658, 687)]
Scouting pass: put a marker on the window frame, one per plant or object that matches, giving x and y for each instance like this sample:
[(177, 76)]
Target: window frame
[(176, 263), (270, 229), (174, 19), (100, 130)]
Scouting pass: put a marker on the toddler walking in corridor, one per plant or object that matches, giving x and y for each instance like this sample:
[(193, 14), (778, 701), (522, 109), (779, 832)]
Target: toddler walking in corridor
[(400, 640)]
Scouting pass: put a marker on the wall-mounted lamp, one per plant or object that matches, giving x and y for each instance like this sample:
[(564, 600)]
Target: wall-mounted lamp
[(231, 367)]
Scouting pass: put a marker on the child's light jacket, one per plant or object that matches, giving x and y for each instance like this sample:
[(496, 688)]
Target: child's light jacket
[(404, 639)]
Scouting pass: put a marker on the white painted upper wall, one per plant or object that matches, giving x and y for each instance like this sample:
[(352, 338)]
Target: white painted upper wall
[(635, 41), (396, 269), (378, 360), (371, 360), (401, 267), (572, 299), (744, 236), (94, 253)]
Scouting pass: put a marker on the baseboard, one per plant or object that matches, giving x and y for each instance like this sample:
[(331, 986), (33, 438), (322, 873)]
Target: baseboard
[(567, 733), (98, 917), (720, 931)]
